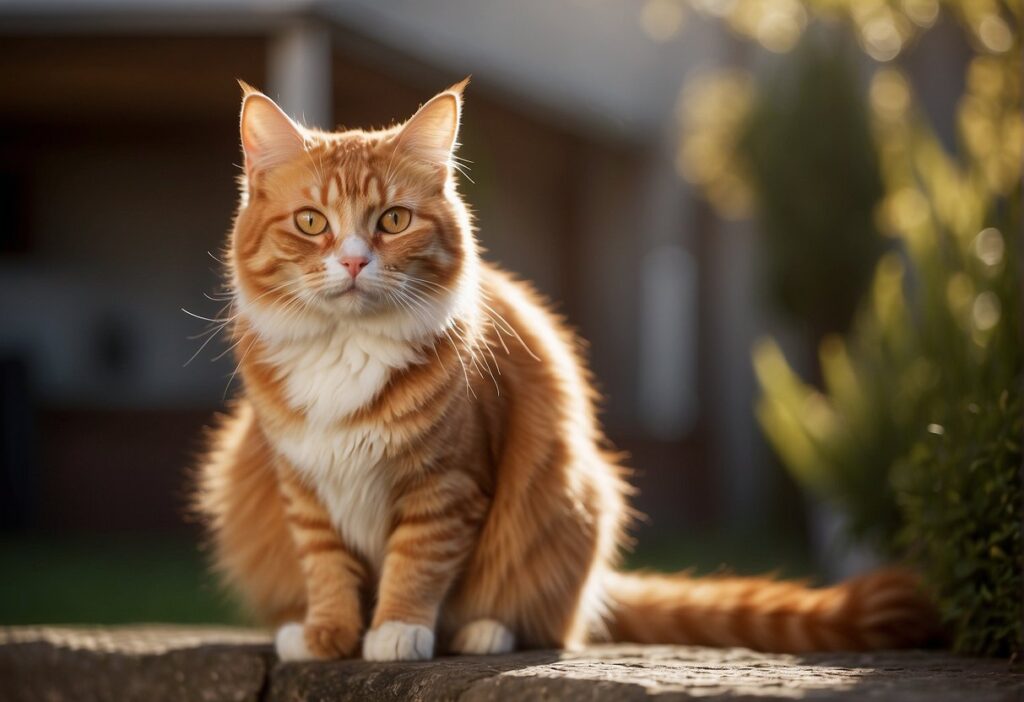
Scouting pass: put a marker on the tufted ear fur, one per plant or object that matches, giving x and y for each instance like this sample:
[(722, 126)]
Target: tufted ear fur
[(269, 136), (430, 135)]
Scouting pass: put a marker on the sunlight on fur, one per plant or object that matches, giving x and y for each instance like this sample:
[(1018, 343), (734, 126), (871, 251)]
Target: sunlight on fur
[(414, 465)]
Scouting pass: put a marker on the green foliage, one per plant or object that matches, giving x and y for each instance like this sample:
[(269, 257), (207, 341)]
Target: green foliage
[(961, 495), (916, 436), (808, 131), (915, 433)]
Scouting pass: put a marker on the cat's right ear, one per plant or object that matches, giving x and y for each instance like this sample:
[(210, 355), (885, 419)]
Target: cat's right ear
[(269, 136)]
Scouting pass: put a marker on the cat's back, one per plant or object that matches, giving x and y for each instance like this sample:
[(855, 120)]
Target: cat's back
[(534, 343)]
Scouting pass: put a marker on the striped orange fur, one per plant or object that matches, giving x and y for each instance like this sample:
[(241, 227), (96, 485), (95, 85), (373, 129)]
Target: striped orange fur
[(415, 462)]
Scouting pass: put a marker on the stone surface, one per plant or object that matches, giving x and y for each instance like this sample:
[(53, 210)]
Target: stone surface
[(145, 663), (155, 663)]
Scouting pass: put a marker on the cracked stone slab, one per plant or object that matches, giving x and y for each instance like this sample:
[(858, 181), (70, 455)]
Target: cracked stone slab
[(155, 663)]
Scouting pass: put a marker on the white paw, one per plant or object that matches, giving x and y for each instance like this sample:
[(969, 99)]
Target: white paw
[(482, 637), (290, 643), (398, 641)]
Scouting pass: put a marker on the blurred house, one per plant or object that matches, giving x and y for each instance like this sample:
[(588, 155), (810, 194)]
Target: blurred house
[(118, 159)]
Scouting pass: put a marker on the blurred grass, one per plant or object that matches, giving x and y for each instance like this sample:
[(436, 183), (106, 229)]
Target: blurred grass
[(103, 579), (729, 551), (115, 579)]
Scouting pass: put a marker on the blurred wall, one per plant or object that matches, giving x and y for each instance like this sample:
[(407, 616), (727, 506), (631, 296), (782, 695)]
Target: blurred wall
[(121, 152)]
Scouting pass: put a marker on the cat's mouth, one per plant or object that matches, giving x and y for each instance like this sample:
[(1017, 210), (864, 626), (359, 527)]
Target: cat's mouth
[(342, 291)]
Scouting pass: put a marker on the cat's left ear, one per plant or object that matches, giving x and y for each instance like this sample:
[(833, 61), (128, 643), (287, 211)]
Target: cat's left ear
[(431, 134)]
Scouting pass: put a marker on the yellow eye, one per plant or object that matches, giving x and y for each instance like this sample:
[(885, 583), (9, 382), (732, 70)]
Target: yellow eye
[(395, 220), (310, 222)]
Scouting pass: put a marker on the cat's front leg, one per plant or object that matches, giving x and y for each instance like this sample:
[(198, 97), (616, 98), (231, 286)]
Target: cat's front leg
[(437, 526), (333, 622)]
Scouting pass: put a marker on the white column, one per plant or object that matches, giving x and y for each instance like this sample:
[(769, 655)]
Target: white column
[(667, 316), (667, 378), (299, 72), (735, 321)]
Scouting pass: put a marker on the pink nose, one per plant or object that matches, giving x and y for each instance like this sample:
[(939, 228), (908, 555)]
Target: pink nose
[(354, 264)]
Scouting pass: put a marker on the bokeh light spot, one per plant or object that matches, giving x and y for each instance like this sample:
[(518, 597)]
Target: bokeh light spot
[(890, 95), (780, 26), (661, 20), (907, 208), (989, 247), (986, 311), (995, 34), (881, 39), (923, 13)]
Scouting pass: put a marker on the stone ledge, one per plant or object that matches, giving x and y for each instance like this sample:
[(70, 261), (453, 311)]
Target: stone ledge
[(155, 663)]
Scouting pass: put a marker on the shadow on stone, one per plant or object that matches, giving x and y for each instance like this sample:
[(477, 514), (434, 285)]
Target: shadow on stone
[(42, 670), (464, 678)]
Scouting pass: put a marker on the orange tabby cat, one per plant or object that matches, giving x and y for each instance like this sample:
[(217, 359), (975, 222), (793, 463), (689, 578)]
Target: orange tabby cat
[(417, 436)]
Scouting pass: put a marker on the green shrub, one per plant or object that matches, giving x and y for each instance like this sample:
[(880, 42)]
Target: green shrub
[(961, 496)]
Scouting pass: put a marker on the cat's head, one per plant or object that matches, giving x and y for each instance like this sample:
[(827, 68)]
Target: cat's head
[(357, 227)]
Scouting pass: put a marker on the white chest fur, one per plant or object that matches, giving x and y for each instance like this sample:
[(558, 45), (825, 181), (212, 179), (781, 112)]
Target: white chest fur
[(330, 376), (328, 379), (345, 467)]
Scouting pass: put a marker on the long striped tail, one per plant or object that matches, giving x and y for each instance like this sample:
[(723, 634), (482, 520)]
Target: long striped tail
[(883, 609)]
